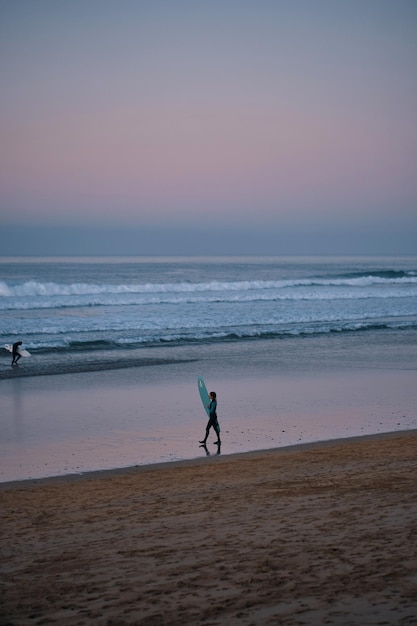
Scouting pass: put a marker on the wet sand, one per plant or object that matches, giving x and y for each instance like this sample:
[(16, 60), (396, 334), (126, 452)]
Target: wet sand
[(314, 534), (55, 425)]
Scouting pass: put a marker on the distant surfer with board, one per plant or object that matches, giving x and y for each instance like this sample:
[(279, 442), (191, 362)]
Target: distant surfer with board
[(213, 421), (16, 352)]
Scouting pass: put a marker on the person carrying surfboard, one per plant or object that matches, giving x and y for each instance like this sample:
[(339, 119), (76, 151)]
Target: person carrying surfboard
[(15, 352), (213, 421)]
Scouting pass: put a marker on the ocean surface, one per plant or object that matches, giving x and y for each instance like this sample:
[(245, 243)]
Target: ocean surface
[(298, 350), (95, 308)]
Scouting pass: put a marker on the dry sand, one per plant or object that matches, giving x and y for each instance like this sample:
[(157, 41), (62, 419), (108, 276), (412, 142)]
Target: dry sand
[(316, 534)]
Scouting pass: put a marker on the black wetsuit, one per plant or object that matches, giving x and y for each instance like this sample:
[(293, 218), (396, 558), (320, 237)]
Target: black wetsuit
[(213, 422), (15, 353)]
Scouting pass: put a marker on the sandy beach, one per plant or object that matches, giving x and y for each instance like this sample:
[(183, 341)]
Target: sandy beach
[(322, 533)]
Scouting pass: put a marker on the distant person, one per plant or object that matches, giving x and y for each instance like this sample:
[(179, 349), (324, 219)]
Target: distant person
[(213, 422), (15, 352)]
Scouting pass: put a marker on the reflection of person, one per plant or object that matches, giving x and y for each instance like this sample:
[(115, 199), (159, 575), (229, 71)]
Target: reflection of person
[(213, 422), (15, 352)]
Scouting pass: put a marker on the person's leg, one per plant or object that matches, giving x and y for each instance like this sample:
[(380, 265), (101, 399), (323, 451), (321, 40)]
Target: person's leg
[(207, 433), (217, 429)]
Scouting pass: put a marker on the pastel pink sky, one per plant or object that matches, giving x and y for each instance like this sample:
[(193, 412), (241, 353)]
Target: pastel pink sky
[(159, 113)]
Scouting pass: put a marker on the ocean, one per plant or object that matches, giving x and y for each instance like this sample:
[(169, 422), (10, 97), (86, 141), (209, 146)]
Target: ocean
[(91, 309), (298, 349)]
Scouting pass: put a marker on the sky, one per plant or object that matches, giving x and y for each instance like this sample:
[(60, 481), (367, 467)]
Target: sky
[(208, 127)]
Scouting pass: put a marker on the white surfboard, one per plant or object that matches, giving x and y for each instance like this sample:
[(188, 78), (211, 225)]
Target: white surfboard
[(20, 350)]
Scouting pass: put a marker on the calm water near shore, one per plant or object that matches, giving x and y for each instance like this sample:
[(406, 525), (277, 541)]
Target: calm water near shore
[(72, 423)]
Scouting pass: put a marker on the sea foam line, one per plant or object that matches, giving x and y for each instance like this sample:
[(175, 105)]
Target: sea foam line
[(185, 336), (36, 289), (109, 300)]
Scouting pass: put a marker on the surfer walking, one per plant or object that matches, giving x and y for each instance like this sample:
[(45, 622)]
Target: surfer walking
[(15, 352), (213, 421)]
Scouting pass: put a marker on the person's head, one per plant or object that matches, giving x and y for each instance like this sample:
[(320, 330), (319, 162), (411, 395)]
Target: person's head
[(212, 395)]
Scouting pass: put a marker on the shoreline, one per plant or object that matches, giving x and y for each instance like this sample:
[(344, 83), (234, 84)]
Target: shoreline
[(80, 367), (200, 461), (320, 533), (79, 423), (271, 394), (382, 349)]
